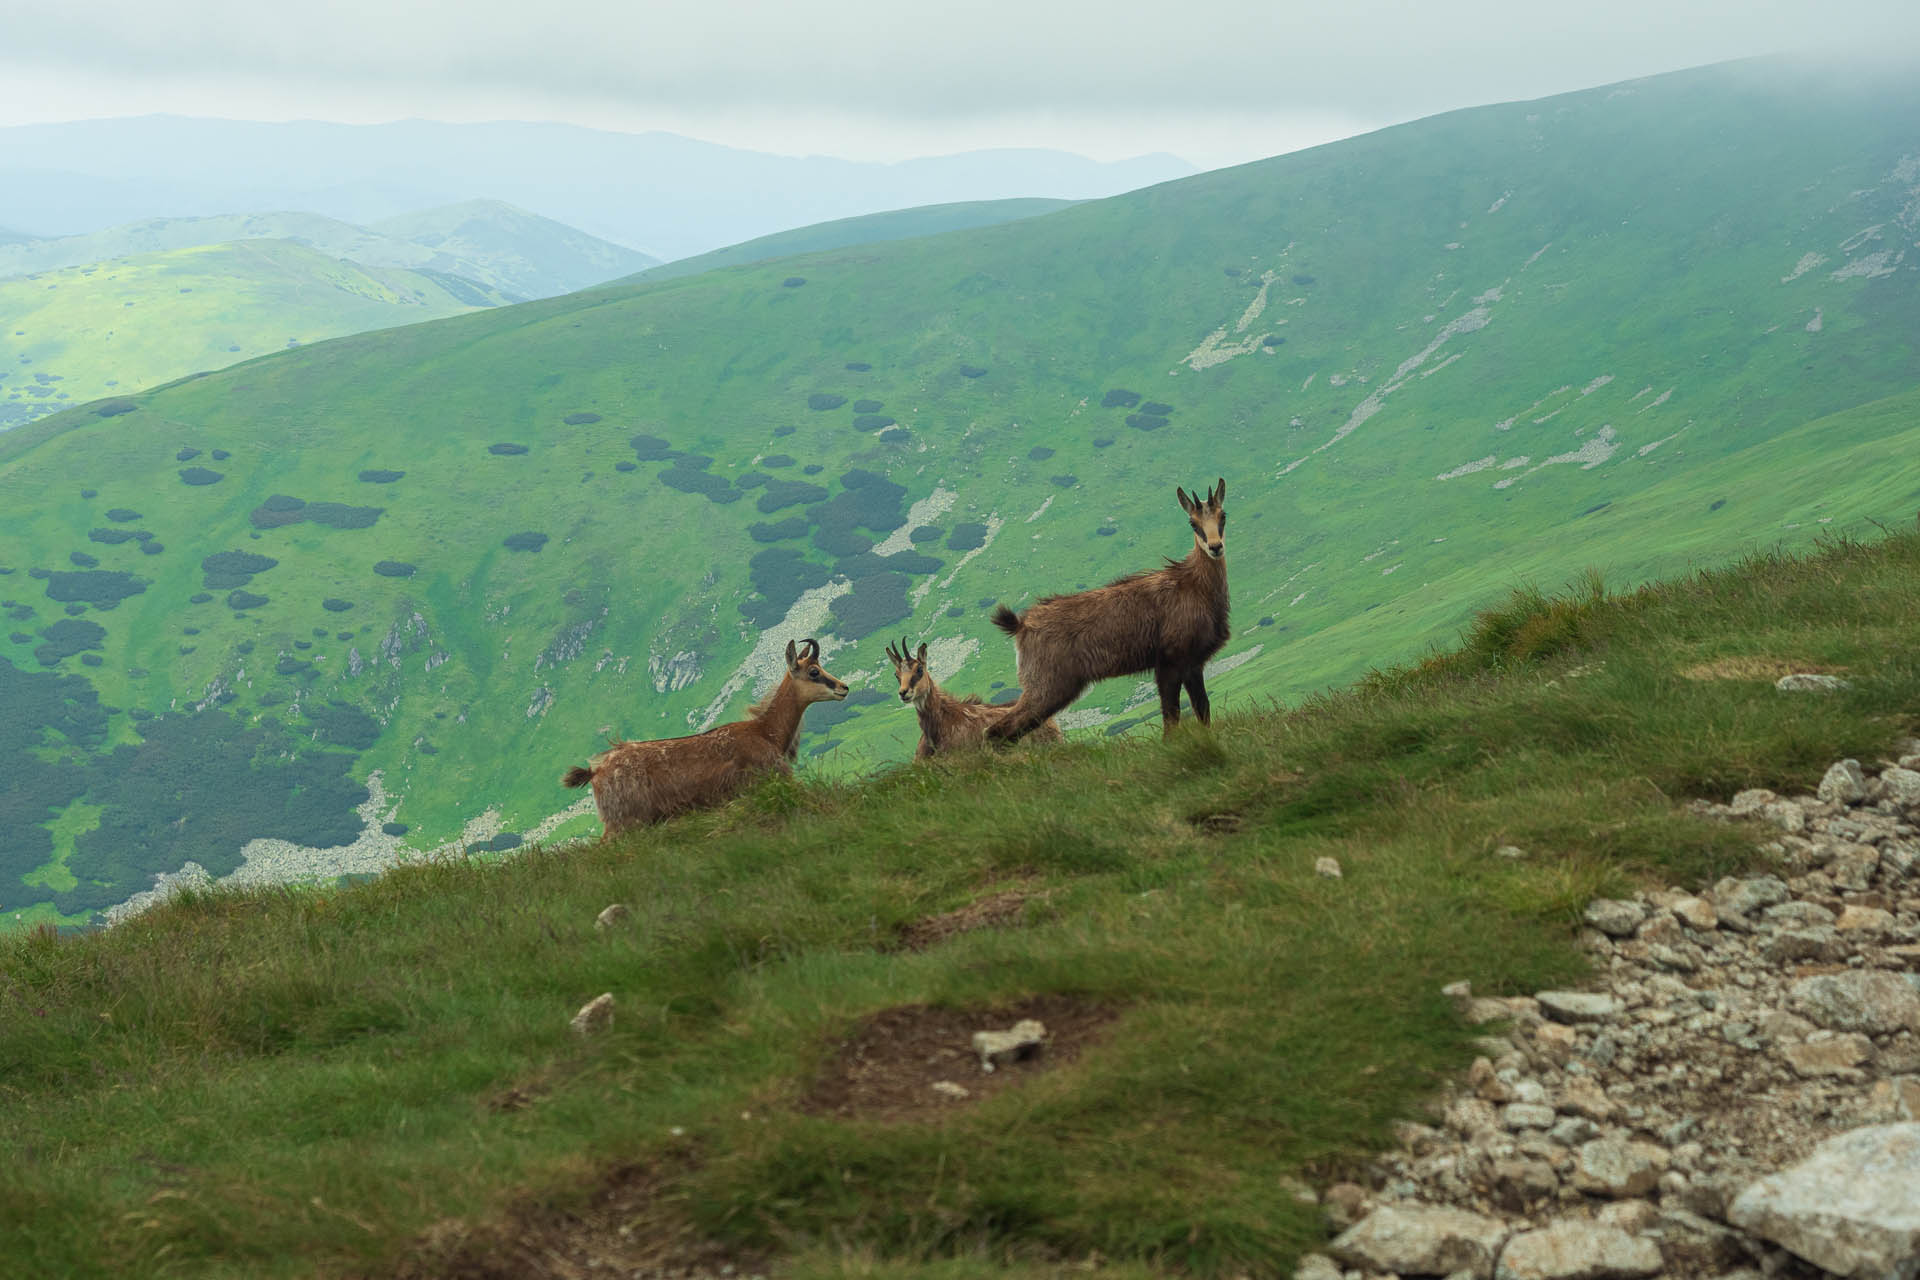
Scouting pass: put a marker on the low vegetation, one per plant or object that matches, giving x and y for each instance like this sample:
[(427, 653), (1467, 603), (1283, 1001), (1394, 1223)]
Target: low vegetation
[(378, 1079)]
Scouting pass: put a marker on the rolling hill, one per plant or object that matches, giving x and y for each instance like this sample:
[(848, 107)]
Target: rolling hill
[(374, 594)]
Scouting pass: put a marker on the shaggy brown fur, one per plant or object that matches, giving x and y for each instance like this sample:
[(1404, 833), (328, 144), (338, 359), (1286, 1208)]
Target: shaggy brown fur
[(1168, 621), (947, 722), (639, 783)]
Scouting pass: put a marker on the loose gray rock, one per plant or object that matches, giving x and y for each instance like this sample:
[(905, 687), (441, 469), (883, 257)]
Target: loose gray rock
[(1577, 1006), (613, 915), (1744, 897), (1844, 783), (1421, 1240), (1852, 1207), (1316, 1266), (595, 1015), (1024, 1039), (1811, 683), (1837, 1057), (1869, 1000), (1903, 785), (1574, 1250), (1696, 913), (1526, 1115), (1615, 917), (1618, 1167), (1751, 801), (1328, 867)]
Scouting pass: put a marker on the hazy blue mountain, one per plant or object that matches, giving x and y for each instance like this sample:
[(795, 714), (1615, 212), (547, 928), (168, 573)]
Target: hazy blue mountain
[(664, 194)]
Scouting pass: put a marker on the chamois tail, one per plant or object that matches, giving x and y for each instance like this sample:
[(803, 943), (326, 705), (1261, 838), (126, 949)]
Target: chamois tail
[(577, 777), (1007, 620)]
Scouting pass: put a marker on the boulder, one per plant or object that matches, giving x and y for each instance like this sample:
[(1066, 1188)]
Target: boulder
[(1421, 1240), (1851, 1208), (1744, 897), (1844, 783), (1577, 1006), (595, 1015), (1615, 917), (1806, 682), (1839, 1057), (1574, 1250), (1872, 1001), (1618, 1167), (1903, 786)]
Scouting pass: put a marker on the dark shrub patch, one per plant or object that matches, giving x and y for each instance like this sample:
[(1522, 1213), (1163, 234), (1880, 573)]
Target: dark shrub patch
[(1120, 398), (1157, 409), (925, 533), (224, 569), (394, 569), (338, 515), (506, 450), (812, 469), (291, 666), (89, 494), (186, 455), (303, 644), (824, 719), (1145, 421), (243, 648), (649, 448), (625, 465), (1103, 442), (111, 537), (281, 502), (779, 530), (895, 435), (37, 572), (871, 501), (199, 597), (200, 475), (871, 421), (1303, 279), (114, 408), (339, 724), (1716, 504), (867, 406), (788, 493), (343, 635), (1106, 531), (713, 488), (876, 602), (92, 660), (779, 575), (151, 548), (81, 559), (380, 477), (1273, 340), (841, 541), (955, 611), (1005, 696), (777, 460), (1265, 622), (751, 480), (968, 536), (1039, 453), (580, 419), (1066, 481), (793, 282), (221, 455), (1231, 271), (692, 461), (66, 638), (240, 599), (75, 609), (782, 431), (821, 401), (972, 371), (20, 637), (867, 565), (101, 587), (858, 366), (394, 828), (524, 541), (123, 515)]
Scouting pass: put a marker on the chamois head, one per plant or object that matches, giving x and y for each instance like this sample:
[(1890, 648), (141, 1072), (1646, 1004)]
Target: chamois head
[(1209, 520), (916, 683), (810, 681)]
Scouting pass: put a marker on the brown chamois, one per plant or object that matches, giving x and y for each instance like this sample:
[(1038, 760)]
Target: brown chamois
[(946, 722), (639, 783), (1168, 621)]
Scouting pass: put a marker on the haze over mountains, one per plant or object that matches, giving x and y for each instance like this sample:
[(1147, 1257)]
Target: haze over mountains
[(658, 193), (1631, 328)]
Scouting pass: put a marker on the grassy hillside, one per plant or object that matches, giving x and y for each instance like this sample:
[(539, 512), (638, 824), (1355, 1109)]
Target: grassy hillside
[(76, 334), (491, 243), (379, 1080), (872, 228), (1635, 328)]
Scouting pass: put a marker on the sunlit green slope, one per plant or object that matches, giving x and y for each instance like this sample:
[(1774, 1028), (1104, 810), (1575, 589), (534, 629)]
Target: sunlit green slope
[(1633, 328)]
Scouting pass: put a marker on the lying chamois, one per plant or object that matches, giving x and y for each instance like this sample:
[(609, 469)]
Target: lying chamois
[(1169, 621), (947, 722), (639, 783)]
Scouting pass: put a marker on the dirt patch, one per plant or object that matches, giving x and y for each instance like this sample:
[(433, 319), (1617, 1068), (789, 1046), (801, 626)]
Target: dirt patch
[(633, 1224), (886, 1069), (1754, 668), (1003, 910)]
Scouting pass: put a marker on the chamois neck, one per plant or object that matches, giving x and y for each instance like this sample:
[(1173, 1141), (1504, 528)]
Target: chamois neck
[(1204, 571), (780, 718)]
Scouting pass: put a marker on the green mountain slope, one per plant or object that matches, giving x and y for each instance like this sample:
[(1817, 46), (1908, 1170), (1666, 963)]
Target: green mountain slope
[(1629, 328), (77, 333), (872, 228)]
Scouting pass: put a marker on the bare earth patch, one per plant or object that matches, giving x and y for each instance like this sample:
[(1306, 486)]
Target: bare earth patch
[(887, 1068), (1002, 910), (1747, 667)]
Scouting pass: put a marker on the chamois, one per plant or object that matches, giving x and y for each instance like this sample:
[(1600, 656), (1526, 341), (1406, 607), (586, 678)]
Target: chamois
[(1168, 620), (947, 722), (639, 783)]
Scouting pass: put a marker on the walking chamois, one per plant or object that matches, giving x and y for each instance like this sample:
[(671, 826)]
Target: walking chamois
[(639, 783), (1168, 620), (947, 722)]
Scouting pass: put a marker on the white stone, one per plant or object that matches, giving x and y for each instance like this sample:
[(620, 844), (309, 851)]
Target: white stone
[(595, 1015), (1421, 1240), (1697, 914), (1615, 917), (1868, 1000), (1575, 1250), (1851, 1208), (613, 915), (1618, 1167), (1023, 1039), (948, 1089), (1903, 785), (1844, 783), (1328, 867), (1811, 683), (1577, 1006)]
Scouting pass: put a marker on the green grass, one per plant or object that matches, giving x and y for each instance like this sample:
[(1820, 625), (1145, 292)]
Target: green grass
[(1640, 242), (295, 1081)]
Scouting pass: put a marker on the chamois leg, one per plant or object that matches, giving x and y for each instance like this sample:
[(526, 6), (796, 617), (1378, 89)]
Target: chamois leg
[(1034, 708), (1196, 683), (1169, 681)]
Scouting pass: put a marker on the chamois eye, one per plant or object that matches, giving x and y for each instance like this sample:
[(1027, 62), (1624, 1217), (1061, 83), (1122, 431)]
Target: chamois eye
[(816, 671), (1223, 520)]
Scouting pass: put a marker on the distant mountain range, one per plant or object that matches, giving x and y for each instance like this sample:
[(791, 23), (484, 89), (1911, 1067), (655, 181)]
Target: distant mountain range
[(666, 195)]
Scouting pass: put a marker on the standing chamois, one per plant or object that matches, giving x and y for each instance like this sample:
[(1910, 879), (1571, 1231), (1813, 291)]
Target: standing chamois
[(1169, 621), (639, 783), (947, 722)]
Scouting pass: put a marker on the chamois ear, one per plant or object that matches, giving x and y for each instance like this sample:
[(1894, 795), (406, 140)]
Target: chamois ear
[(1219, 494), (892, 657), (1186, 504), (922, 658), (792, 653)]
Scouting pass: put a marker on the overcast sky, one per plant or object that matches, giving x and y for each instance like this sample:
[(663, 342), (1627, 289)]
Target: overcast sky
[(1214, 81)]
